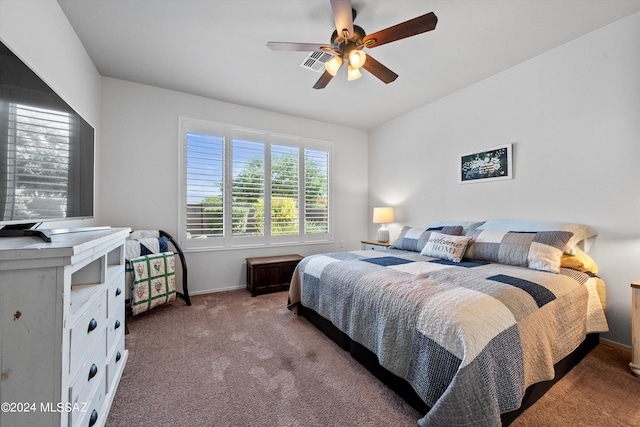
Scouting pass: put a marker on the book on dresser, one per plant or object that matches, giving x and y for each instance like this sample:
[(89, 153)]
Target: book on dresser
[(62, 317)]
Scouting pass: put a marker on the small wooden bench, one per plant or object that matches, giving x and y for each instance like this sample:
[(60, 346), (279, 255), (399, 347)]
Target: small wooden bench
[(270, 273)]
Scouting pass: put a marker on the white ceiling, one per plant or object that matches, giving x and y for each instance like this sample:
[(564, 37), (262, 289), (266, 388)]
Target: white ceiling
[(217, 48)]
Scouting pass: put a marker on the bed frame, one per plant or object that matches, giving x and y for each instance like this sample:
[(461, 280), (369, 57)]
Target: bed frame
[(399, 385)]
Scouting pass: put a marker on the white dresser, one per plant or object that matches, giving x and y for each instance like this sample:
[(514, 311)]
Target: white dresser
[(61, 328)]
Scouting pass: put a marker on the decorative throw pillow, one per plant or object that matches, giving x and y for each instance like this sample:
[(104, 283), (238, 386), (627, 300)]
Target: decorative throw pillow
[(581, 262), (414, 238), (583, 235), (467, 226), (539, 251), (445, 246)]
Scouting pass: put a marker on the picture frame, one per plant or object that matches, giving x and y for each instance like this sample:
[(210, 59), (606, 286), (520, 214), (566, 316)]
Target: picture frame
[(490, 164)]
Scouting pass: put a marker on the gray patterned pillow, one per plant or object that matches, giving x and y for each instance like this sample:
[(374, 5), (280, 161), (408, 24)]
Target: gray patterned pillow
[(540, 250), (414, 238)]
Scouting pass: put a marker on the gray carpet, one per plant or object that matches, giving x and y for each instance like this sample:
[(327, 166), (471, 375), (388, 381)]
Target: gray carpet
[(234, 360)]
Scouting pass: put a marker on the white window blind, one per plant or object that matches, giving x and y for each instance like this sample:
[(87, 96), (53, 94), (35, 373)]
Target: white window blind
[(205, 184), (285, 190), (37, 162), (244, 187), (316, 208), (247, 190)]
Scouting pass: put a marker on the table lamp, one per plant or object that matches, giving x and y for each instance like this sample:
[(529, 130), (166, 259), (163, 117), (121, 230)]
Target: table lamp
[(383, 216)]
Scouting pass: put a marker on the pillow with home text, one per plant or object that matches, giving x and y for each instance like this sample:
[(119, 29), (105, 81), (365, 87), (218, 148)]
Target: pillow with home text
[(445, 246)]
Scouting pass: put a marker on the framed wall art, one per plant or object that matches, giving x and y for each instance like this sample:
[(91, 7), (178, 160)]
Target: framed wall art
[(491, 164)]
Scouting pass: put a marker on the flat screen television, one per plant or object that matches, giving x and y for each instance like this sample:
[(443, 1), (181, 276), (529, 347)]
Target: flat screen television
[(46, 152)]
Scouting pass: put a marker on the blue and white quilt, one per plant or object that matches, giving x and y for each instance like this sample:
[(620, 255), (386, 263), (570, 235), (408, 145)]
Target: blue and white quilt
[(470, 337)]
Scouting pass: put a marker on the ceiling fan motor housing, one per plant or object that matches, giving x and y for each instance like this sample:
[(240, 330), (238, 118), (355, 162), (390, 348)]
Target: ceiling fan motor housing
[(338, 42)]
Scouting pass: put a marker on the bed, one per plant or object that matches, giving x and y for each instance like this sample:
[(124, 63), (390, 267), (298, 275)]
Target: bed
[(462, 322)]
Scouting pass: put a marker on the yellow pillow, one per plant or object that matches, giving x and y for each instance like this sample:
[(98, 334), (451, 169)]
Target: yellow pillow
[(581, 262)]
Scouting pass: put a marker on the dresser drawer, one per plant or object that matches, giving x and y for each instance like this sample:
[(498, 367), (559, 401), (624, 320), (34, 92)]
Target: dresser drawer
[(93, 413), (116, 360), (115, 295), (115, 325), (89, 373), (84, 333)]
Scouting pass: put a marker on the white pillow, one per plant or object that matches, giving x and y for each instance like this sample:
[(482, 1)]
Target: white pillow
[(446, 246), (583, 236)]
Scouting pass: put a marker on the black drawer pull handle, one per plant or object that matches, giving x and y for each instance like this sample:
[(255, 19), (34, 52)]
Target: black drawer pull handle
[(93, 418), (118, 291), (93, 371), (118, 357), (117, 324), (92, 325)]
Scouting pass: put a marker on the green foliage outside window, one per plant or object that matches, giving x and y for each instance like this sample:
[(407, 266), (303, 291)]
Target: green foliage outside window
[(248, 200)]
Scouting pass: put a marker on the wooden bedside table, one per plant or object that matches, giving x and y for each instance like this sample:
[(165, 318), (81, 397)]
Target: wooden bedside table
[(374, 245), (635, 329)]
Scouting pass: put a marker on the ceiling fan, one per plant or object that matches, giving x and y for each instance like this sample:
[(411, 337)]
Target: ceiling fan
[(348, 40)]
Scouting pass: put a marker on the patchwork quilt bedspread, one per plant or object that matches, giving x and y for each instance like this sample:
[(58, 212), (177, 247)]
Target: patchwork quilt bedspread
[(470, 337)]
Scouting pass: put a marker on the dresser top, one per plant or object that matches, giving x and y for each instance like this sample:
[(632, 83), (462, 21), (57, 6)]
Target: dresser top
[(61, 245)]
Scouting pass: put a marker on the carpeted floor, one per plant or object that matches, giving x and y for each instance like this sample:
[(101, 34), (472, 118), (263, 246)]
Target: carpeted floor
[(234, 360)]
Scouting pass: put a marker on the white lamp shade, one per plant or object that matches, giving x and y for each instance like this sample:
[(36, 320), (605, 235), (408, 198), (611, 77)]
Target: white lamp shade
[(357, 58), (353, 73), (333, 65), (383, 215)]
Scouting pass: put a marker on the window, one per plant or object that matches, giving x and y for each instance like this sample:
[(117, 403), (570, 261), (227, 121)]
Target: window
[(316, 208), (244, 188), (285, 189), (205, 179)]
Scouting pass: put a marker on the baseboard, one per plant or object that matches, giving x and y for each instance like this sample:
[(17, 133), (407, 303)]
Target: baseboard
[(615, 344), (213, 291)]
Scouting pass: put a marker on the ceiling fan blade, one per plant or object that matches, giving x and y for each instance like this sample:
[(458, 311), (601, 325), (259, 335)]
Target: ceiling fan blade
[(323, 81), (300, 47), (409, 28), (379, 70), (342, 15)]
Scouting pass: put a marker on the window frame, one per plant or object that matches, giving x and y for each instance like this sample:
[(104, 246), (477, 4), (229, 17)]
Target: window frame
[(229, 241)]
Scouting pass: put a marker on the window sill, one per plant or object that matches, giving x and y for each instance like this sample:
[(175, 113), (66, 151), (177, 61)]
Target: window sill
[(186, 249)]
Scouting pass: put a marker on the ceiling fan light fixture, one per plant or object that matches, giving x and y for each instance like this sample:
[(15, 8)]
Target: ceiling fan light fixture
[(357, 58), (333, 65), (349, 40), (353, 73)]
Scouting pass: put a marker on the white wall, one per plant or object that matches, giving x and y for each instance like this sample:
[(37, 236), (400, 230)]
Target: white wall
[(140, 172), (574, 116), (136, 167), (40, 34)]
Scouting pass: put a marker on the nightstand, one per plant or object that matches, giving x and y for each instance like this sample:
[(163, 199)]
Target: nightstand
[(635, 328), (374, 245)]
